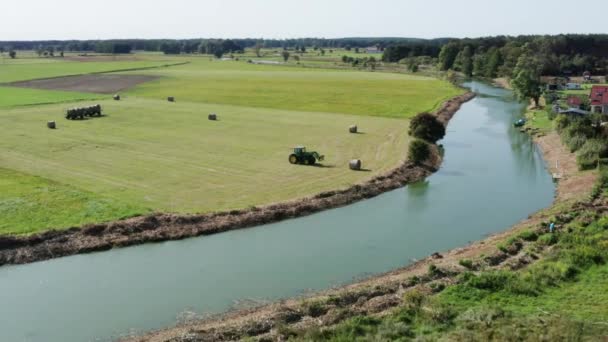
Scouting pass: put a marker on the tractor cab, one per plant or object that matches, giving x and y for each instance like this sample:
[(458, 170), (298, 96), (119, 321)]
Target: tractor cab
[(299, 150)]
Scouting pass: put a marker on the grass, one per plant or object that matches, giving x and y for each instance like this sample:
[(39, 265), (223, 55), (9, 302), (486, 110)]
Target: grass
[(285, 87), (11, 96), (29, 203), (29, 69), (539, 119), (169, 157), (153, 155)]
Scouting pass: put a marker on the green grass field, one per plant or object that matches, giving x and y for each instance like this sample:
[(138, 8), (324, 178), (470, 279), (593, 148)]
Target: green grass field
[(147, 154), (11, 96), (29, 69), (284, 87), (29, 204)]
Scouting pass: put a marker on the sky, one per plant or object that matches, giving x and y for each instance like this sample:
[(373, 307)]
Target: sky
[(112, 19)]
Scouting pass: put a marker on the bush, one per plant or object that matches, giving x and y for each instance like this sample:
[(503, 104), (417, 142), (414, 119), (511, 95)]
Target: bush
[(466, 263), (590, 153), (426, 126), (528, 235), (419, 151)]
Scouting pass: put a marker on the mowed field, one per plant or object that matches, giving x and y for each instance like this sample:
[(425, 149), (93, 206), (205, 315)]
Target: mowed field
[(147, 154), (298, 88)]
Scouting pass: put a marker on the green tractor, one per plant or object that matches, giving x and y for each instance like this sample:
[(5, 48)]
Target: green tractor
[(300, 156)]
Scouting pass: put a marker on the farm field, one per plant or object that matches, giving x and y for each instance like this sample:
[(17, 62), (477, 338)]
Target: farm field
[(12, 96), (285, 87), (148, 155)]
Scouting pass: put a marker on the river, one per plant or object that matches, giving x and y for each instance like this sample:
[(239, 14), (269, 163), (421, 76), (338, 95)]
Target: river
[(492, 177)]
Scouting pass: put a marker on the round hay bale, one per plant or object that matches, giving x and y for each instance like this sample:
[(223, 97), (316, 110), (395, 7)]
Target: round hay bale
[(353, 129), (51, 124), (213, 117), (116, 97), (171, 99), (355, 164)]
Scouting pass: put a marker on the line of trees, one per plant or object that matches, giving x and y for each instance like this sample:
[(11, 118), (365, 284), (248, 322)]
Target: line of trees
[(193, 45)]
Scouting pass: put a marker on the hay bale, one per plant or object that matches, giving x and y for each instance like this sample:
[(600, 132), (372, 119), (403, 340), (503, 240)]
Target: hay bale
[(51, 124), (353, 129), (355, 164), (116, 97), (213, 117), (171, 99)]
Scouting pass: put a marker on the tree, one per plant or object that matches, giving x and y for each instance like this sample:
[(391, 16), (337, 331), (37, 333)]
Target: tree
[(419, 151), (285, 55), (447, 56), (494, 62), (296, 58), (426, 126), (12, 54), (258, 49), (467, 61), (526, 81)]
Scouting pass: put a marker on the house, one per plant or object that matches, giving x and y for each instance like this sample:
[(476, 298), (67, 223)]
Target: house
[(598, 99), (373, 49), (573, 86), (574, 101), (573, 111)]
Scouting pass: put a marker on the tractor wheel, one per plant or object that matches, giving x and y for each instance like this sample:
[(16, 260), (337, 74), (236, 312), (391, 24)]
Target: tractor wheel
[(293, 159)]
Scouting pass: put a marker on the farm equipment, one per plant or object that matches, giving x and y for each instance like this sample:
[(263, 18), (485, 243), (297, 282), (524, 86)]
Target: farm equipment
[(301, 156), (80, 113)]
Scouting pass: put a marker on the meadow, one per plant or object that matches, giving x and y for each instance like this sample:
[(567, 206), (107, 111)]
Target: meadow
[(146, 154)]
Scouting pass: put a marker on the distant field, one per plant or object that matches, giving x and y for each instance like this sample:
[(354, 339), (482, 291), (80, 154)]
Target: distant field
[(29, 69), (283, 87), (11, 96)]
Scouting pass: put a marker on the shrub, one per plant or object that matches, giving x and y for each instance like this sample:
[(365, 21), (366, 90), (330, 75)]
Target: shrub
[(419, 151), (426, 126), (547, 239), (466, 263), (528, 235), (589, 154)]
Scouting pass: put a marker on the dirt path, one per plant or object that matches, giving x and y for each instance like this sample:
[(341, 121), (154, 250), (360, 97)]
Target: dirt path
[(381, 293), (97, 83), (164, 227)]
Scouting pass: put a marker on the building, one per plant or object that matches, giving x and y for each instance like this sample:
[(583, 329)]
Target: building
[(574, 101), (373, 49), (573, 86), (598, 99)]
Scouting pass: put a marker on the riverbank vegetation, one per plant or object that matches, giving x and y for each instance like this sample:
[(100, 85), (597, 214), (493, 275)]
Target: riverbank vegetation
[(554, 288)]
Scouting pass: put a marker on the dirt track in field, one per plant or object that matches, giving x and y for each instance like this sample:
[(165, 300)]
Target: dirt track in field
[(164, 227), (95, 83)]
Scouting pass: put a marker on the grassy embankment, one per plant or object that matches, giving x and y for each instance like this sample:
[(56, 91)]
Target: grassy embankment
[(561, 296), (151, 155)]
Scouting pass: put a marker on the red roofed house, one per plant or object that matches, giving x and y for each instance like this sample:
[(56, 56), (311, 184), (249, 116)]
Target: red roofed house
[(574, 101), (599, 99)]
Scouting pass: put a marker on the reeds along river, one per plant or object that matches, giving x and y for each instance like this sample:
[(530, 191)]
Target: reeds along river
[(492, 177)]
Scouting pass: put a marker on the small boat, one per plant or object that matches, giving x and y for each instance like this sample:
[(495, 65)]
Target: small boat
[(519, 123)]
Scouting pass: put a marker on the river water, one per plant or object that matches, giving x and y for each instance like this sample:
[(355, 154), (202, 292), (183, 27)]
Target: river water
[(492, 177)]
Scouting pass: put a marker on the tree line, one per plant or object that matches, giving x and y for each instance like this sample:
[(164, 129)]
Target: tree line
[(175, 46)]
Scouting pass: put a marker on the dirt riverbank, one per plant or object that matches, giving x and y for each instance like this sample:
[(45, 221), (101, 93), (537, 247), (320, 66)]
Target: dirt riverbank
[(378, 295), (164, 227)]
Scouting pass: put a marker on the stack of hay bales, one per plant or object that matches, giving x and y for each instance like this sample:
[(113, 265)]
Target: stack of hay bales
[(213, 117), (355, 164), (80, 113), (51, 124), (353, 129)]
